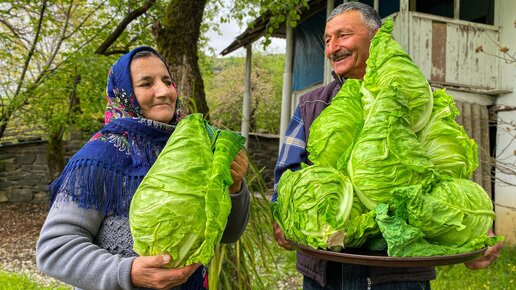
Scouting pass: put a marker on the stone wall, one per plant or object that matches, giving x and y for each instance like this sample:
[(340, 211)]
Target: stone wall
[(263, 149), (24, 173)]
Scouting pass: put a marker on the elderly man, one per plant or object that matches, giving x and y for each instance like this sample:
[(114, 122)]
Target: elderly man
[(348, 33)]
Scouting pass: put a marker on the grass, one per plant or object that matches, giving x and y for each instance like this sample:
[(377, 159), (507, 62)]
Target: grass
[(500, 275), (282, 274), (15, 281)]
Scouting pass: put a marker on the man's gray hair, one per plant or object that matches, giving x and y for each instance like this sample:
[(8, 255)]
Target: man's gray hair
[(369, 15)]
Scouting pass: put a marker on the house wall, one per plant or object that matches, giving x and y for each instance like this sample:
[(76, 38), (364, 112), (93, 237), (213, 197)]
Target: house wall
[(505, 186), (445, 49)]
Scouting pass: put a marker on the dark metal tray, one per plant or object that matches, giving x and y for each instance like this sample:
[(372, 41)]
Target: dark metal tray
[(374, 258)]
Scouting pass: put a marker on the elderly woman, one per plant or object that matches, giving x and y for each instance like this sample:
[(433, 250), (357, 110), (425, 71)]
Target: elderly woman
[(86, 239)]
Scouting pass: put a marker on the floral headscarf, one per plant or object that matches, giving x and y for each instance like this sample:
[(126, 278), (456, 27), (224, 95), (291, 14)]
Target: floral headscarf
[(106, 171)]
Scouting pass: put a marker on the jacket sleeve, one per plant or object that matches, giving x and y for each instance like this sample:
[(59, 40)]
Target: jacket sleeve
[(238, 216), (65, 250), (293, 150)]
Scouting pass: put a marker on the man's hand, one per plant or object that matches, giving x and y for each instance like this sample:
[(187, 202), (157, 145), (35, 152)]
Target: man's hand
[(487, 258), (280, 237), (238, 170), (148, 272)]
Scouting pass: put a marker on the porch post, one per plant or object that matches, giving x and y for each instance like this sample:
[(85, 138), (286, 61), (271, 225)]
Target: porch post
[(286, 96), (327, 78), (456, 9), (246, 104), (404, 20)]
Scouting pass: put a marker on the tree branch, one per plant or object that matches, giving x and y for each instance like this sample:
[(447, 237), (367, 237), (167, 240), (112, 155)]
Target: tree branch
[(32, 49), (122, 26), (92, 12), (10, 27)]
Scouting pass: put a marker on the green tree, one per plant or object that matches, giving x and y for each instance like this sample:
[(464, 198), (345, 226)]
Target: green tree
[(225, 91), (48, 63)]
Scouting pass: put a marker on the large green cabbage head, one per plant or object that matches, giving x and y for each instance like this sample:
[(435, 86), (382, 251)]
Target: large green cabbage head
[(451, 213), (451, 216), (389, 65), (387, 153), (328, 139), (445, 141), (182, 205), (313, 206)]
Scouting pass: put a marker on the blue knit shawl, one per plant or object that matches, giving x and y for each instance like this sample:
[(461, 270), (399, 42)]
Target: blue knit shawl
[(106, 171)]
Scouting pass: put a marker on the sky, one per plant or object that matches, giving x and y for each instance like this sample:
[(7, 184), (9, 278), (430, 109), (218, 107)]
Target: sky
[(230, 31)]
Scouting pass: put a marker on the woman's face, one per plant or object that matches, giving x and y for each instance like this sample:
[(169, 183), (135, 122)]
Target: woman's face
[(153, 88)]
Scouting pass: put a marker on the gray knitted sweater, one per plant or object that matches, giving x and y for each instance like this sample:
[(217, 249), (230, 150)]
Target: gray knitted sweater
[(90, 250)]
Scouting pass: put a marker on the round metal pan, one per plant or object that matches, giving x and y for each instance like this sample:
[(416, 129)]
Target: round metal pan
[(373, 258)]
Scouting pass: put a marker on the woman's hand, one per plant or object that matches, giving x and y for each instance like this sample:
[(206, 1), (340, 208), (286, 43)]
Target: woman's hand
[(238, 170), (148, 272)]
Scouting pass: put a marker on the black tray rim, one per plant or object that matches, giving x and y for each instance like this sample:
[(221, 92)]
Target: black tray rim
[(378, 258)]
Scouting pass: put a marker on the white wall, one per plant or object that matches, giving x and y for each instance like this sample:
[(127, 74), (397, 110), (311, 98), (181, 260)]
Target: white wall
[(505, 194)]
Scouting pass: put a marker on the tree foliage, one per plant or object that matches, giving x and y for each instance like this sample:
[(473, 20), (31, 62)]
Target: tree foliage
[(42, 37), (46, 38)]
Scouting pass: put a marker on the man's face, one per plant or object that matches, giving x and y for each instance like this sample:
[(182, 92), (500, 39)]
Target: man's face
[(347, 40)]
